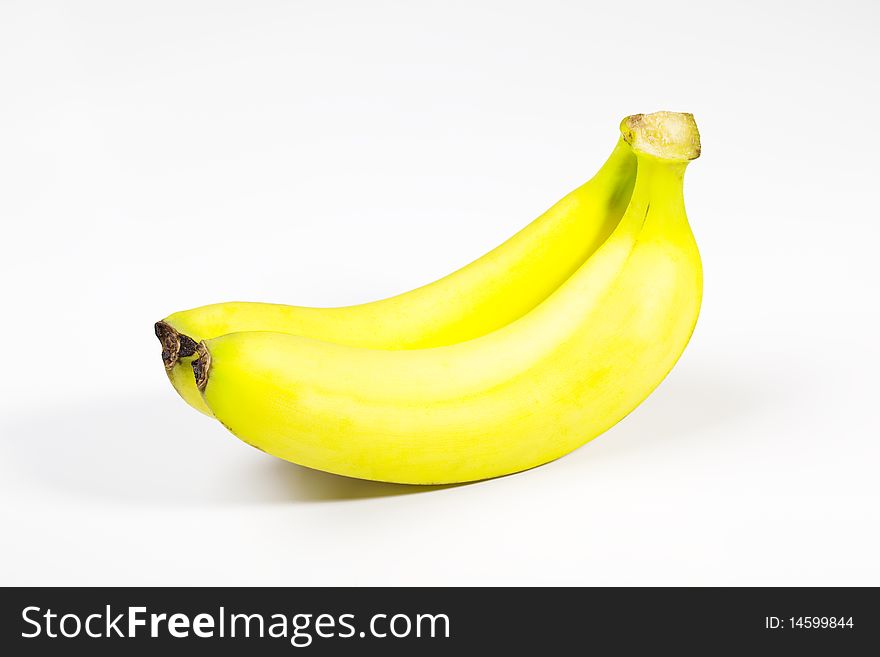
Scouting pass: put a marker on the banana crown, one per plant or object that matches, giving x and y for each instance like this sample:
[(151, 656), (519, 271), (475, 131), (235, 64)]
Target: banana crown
[(667, 135)]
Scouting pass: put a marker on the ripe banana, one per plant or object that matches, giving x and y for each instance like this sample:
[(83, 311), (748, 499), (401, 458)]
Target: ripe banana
[(512, 399), (485, 295)]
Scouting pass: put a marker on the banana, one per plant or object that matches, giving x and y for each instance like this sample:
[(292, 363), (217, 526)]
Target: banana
[(485, 295), (525, 394)]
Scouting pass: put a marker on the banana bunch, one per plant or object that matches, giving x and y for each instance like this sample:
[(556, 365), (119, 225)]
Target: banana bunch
[(510, 362)]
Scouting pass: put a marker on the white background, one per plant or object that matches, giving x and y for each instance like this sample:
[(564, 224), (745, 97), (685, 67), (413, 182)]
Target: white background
[(162, 155)]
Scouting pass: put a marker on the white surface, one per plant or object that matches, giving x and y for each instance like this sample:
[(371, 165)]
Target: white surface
[(156, 156)]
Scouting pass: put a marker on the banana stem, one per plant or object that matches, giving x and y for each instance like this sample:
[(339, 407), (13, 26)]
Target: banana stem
[(664, 143), (660, 183), (619, 165)]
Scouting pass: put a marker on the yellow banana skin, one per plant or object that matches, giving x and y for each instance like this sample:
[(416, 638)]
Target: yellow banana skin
[(513, 399), (485, 295)]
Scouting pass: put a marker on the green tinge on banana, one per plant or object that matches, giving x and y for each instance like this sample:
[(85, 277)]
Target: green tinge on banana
[(479, 298), (511, 399)]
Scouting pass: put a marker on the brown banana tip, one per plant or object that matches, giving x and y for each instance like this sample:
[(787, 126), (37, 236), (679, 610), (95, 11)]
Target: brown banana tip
[(202, 366), (175, 345)]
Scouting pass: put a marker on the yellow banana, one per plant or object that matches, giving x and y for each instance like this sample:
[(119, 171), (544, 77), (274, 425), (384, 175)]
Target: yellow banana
[(515, 398), (490, 292)]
